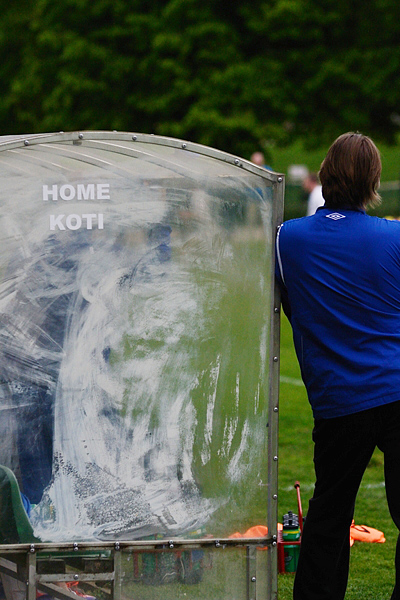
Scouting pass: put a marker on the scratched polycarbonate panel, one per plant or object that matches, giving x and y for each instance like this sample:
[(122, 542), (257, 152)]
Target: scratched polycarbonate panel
[(219, 574), (135, 284)]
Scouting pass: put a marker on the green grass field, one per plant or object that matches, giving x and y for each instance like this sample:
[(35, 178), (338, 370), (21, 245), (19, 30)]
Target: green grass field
[(371, 566)]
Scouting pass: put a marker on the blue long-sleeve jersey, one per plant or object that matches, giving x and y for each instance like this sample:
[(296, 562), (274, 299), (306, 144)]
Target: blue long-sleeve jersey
[(339, 271)]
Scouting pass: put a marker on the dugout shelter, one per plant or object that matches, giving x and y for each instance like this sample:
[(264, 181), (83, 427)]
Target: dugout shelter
[(139, 345)]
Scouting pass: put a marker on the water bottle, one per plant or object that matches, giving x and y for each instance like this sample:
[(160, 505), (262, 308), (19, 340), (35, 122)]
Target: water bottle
[(291, 532)]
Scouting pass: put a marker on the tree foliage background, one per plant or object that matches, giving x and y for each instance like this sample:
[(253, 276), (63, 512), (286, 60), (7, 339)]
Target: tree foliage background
[(234, 75)]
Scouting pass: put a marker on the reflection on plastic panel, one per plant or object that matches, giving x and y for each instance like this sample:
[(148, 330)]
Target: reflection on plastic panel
[(134, 308)]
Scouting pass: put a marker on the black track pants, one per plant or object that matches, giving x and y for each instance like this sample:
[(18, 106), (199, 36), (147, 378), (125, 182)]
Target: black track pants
[(343, 448)]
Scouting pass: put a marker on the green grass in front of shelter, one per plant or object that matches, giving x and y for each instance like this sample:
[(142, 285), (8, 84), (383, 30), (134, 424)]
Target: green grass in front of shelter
[(372, 565)]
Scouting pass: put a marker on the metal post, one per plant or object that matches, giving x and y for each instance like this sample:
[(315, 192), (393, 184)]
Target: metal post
[(273, 404), (117, 583), (31, 565), (251, 572)]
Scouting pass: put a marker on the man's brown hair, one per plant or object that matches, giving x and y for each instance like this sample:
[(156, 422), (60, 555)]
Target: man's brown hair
[(350, 173)]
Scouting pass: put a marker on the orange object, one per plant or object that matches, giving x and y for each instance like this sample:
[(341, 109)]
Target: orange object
[(257, 531), (363, 533), (235, 535)]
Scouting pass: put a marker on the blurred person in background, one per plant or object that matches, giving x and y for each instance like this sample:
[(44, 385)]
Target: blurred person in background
[(258, 158), (313, 188)]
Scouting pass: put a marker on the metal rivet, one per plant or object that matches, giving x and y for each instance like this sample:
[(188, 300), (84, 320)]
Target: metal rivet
[(116, 545), (274, 543), (217, 544), (32, 548), (253, 579), (75, 546), (275, 458), (183, 146), (276, 409), (276, 309), (80, 136), (134, 137), (280, 179), (275, 359), (275, 497), (76, 577), (237, 161), (171, 544), (26, 142)]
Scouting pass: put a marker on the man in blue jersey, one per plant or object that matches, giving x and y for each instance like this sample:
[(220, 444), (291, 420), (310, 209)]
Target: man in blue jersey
[(339, 272)]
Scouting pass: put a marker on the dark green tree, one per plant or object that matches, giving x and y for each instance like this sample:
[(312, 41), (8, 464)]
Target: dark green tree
[(14, 26), (338, 63), (233, 75)]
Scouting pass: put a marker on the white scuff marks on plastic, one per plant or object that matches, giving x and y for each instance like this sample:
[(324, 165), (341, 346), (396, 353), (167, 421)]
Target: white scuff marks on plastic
[(231, 423), (208, 430), (257, 400), (120, 467), (121, 349), (237, 465), (263, 349)]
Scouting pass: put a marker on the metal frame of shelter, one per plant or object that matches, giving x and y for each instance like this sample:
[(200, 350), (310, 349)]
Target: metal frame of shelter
[(31, 563)]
